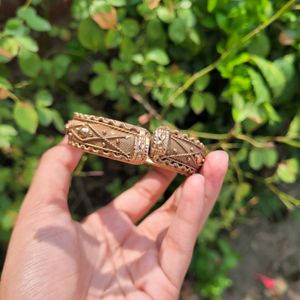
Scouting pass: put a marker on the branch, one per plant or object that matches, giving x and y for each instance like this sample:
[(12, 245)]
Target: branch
[(148, 107), (225, 54)]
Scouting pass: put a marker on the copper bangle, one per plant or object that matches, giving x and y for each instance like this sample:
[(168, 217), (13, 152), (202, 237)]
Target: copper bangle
[(165, 148)]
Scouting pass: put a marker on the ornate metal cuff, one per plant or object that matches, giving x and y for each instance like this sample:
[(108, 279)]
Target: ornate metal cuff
[(124, 142)]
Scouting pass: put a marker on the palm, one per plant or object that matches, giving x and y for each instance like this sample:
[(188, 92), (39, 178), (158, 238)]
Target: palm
[(107, 256), (129, 255)]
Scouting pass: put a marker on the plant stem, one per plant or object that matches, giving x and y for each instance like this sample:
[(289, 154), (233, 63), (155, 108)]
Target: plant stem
[(289, 201), (14, 97), (208, 135), (28, 3), (226, 53)]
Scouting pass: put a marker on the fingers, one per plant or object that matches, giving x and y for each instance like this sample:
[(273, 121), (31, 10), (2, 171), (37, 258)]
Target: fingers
[(158, 221), (214, 171), (51, 181), (137, 201), (197, 198)]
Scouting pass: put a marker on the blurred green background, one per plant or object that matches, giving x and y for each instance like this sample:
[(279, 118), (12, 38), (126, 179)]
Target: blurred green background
[(225, 71)]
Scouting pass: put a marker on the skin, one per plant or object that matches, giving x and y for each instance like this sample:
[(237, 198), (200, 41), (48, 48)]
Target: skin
[(107, 256)]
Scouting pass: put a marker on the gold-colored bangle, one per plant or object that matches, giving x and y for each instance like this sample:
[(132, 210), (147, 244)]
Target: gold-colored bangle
[(121, 141)]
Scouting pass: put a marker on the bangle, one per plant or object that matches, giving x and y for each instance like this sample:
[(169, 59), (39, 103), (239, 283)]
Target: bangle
[(165, 148)]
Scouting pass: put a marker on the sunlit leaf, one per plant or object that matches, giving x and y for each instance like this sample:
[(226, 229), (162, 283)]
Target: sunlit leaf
[(33, 20), (43, 98), (272, 74), (26, 116), (197, 103), (158, 55), (177, 31), (261, 91), (288, 170), (294, 128), (90, 35), (30, 63), (7, 133), (27, 43)]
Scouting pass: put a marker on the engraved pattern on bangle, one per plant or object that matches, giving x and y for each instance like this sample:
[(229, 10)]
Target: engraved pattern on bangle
[(173, 150), (109, 138), (121, 141)]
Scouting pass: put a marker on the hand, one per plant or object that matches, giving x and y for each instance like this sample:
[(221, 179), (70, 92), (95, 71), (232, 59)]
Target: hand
[(107, 256)]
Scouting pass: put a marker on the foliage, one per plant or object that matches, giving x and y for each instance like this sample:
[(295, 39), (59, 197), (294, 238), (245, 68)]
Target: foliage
[(224, 70)]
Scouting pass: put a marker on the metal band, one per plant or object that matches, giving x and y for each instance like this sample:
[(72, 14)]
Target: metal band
[(134, 145), (176, 151)]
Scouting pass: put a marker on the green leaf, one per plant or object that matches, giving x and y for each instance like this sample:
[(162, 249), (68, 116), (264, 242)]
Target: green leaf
[(58, 121), (242, 154), (113, 39), (117, 3), (273, 116), (260, 45), (130, 27), (270, 157), (34, 21), (180, 101), (226, 68), (45, 115), (61, 63), (287, 64), (211, 5), (186, 15), (177, 31), (99, 6), (273, 75), (261, 91), (210, 102), (155, 34), (9, 47), (165, 14), (158, 56), (195, 37), (201, 83), (80, 9), (110, 82), (26, 117), (100, 68), (27, 43), (29, 63), (97, 86), (8, 220), (128, 49), (4, 83), (15, 27), (43, 98), (256, 159), (197, 103), (36, 2), (138, 58), (211, 229), (7, 133), (294, 128), (136, 78), (260, 157), (288, 170), (242, 191), (90, 35)]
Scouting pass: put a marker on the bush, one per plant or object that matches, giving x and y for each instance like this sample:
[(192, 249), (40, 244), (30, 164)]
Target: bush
[(223, 70)]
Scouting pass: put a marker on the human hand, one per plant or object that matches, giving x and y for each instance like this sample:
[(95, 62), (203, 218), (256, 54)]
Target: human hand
[(107, 256)]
